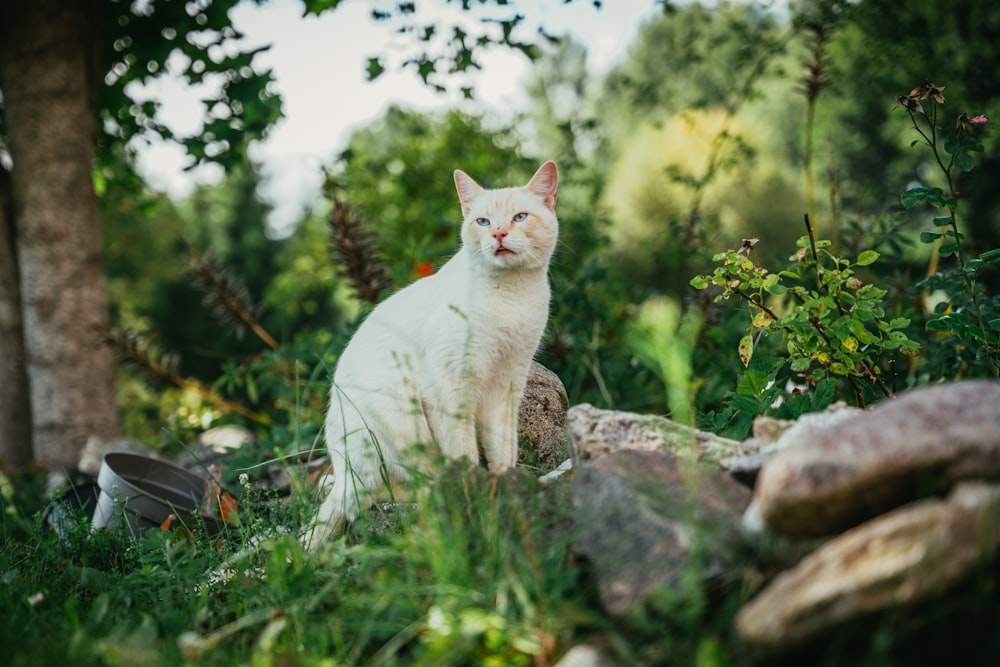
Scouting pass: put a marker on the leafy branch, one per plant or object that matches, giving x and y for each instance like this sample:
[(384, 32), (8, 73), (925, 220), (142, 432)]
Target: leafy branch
[(953, 154), (835, 324)]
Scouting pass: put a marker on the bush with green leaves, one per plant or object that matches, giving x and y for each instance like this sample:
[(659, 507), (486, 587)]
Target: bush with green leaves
[(964, 314), (832, 323)]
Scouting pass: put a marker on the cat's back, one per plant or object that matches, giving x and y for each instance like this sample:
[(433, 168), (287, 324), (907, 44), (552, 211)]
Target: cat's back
[(403, 322)]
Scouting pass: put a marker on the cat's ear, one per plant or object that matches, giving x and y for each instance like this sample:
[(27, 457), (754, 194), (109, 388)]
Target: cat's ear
[(467, 188), (545, 183)]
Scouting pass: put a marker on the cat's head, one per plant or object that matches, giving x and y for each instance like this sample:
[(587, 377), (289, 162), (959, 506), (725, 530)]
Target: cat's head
[(510, 228)]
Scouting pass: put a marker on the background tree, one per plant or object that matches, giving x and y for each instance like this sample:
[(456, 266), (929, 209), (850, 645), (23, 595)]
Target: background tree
[(63, 66), (64, 72)]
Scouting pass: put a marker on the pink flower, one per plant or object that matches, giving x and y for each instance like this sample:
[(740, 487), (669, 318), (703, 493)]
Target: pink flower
[(965, 120)]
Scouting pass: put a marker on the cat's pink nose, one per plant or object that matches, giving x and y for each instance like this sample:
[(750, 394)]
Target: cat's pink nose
[(500, 234)]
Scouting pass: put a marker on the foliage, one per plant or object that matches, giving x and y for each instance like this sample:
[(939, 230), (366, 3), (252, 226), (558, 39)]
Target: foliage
[(196, 42), (881, 47), (836, 324), (483, 574), (512, 595), (965, 311)]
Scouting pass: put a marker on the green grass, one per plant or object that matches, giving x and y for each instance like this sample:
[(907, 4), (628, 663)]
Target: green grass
[(481, 574)]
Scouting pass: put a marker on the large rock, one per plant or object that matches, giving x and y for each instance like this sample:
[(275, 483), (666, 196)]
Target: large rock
[(919, 444), (594, 432), (647, 517), (903, 557), (771, 435), (542, 420)]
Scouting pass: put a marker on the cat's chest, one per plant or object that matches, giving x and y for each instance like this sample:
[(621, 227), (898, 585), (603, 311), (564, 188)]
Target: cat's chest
[(515, 311)]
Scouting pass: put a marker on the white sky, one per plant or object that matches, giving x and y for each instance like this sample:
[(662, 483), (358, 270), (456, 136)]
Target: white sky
[(319, 64)]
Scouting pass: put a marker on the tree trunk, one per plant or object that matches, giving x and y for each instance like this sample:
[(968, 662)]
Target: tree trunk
[(15, 418), (48, 55)]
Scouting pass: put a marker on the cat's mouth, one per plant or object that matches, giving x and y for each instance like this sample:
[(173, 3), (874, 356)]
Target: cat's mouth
[(503, 251)]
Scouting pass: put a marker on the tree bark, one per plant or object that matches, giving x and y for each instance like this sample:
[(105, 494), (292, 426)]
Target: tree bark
[(48, 72), (15, 417)]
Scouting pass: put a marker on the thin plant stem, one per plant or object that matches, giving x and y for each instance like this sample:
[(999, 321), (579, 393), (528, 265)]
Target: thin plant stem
[(930, 138)]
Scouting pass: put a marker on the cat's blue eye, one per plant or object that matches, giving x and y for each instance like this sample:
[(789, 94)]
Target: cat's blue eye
[(520, 217), (482, 222)]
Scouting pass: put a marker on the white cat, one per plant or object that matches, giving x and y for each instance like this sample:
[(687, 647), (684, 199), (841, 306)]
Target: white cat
[(443, 362)]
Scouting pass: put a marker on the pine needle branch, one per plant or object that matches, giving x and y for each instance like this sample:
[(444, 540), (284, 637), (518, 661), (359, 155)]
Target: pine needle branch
[(227, 297), (360, 262)]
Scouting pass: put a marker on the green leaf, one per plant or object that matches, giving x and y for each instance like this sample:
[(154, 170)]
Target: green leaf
[(317, 7), (912, 197), (699, 282), (990, 256), (746, 349), (860, 332), (929, 237), (948, 249), (867, 257), (940, 324), (800, 364), (976, 332), (951, 144), (942, 221), (375, 69), (752, 383), (964, 162)]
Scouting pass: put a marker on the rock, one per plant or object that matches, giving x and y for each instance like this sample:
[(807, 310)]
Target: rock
[(586, 655), (908, 555), (922, 443), (221, 440), (214, 444), (645, 517), (771, 435), (594, 432), (542, 420), (564, 468)]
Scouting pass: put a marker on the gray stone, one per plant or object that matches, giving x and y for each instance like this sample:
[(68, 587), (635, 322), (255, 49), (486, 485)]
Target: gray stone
[(771, 435), (542, 420), (909, 555), (646, 517), (594, 432), (214, 444), (925, 441), (586, 655)]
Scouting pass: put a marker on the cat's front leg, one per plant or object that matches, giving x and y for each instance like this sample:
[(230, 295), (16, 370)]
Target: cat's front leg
[(455, 434), (328, 519), (497, 429)]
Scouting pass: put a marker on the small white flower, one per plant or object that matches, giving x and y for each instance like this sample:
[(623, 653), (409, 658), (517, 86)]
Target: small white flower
[(36, 598)]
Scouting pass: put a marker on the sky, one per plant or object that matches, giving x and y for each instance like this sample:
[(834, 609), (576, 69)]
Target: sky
[(319, 65)]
